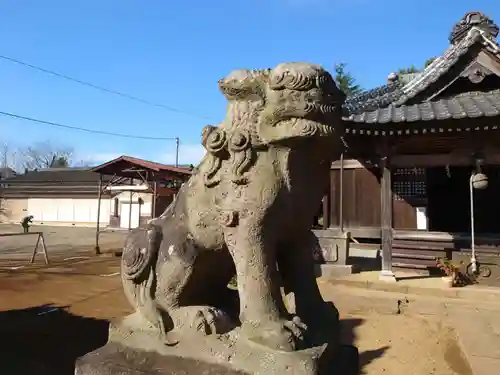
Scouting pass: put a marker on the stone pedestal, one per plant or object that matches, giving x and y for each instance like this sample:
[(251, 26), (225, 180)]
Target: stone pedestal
[(116, 359), (388, 276), (129, 351)]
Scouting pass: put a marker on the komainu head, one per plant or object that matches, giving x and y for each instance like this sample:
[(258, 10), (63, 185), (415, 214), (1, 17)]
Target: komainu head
[(292, 100)]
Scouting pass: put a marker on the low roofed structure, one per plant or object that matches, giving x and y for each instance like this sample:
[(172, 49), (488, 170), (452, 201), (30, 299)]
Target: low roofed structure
[(127, 166), (139, 182), (122, 193)]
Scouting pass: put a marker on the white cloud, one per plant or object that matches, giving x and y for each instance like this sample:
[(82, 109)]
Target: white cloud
[(189, 153)]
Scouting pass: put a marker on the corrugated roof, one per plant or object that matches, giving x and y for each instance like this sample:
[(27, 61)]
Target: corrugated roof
[(466, 105), (157, 167), (56, 175)]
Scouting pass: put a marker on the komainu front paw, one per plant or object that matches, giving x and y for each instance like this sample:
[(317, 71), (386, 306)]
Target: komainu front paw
[(211, 321), (296, 327), (201, 319), (205, 321), (284, 335)]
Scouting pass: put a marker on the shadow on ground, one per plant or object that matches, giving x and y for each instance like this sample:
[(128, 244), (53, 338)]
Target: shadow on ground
[(47, 340), (348, 337)]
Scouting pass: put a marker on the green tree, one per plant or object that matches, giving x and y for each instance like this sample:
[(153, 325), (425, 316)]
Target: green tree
[(429, 61), (346, 81), (411, 69), (414, 69)]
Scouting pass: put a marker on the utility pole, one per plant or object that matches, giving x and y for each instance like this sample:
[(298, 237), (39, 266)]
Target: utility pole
[(5, 156), (177, 141)]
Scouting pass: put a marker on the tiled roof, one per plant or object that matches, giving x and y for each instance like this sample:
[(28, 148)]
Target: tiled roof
[(375, 98), (400, 93), (466, 105), (439, 66)]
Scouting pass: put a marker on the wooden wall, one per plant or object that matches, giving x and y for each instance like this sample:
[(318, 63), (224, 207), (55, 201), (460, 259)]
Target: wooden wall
[(361, 198)]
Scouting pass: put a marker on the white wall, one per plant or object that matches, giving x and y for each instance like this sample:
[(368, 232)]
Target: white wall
[(146, 198), (77, 211)]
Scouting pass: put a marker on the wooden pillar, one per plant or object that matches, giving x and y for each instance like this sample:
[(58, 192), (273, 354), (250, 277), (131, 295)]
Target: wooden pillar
[(153, 207), (130, 207), (326, 211), (386, 220), (326, 204), (99, 197), (341, 194)]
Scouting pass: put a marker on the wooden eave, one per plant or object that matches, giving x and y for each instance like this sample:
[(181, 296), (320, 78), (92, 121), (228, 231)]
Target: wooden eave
[(425, 127)]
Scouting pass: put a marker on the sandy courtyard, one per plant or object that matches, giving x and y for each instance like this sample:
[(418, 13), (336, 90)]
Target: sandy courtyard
[(417, 340)]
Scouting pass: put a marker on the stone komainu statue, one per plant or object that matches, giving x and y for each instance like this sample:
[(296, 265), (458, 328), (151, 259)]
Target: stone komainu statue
[(247, 209)]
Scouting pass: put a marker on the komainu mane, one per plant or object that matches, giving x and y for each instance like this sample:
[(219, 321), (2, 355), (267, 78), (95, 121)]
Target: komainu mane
[(246, 210)]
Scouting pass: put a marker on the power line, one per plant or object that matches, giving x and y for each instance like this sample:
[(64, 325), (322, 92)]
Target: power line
[(94, 131), (104, 89)]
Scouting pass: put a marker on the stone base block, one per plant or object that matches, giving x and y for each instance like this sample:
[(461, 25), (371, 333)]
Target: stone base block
[(334, 271), (116, 359), (131, 351), (387, 276)]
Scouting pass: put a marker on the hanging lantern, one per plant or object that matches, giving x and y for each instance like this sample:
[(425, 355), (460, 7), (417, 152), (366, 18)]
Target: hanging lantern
[(479, 181)]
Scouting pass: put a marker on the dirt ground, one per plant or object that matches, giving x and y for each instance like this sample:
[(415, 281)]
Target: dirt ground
[(396, 334), (59, 240), (54, 314)]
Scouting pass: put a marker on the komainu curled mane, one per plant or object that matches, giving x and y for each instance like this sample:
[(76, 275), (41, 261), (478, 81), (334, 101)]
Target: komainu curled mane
[(247, 209)]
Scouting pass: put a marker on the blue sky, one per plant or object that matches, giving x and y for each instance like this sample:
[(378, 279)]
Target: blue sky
[(175, 52)]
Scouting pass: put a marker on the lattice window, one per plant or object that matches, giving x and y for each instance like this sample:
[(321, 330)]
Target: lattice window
[(409, 183)]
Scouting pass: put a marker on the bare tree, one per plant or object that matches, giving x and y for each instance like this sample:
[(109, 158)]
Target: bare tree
[(83, 164), (46, 155), (9, 157)]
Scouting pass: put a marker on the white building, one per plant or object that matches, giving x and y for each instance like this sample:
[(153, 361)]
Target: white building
[(70, 196)]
